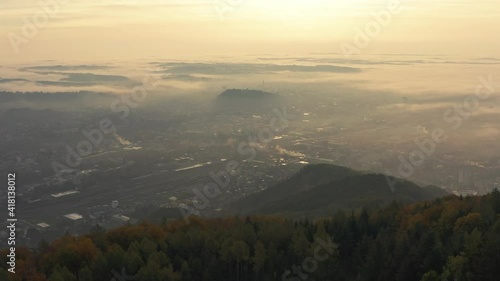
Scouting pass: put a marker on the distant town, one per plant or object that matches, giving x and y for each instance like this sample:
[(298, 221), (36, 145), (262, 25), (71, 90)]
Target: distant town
[(150, 166)]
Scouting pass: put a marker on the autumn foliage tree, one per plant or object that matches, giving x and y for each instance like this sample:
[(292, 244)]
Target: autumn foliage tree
[(448, 239)]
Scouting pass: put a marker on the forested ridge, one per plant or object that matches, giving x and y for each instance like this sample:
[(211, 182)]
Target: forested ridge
[(450, 238), (320, 190)]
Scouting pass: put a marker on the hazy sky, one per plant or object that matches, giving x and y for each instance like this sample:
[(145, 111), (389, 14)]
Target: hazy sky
[(104, 29)]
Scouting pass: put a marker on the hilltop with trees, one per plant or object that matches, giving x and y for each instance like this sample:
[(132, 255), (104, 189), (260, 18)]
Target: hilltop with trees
[(451, 238)]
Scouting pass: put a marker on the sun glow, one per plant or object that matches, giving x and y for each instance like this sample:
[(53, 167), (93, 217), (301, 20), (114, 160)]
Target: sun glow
[(246, 26), (309, 8)]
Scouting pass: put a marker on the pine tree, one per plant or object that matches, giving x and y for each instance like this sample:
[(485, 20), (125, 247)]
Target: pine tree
[(259, 258)]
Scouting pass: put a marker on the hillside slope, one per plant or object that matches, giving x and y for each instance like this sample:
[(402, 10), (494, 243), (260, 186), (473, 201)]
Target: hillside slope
[(320, 189), (451, 238)]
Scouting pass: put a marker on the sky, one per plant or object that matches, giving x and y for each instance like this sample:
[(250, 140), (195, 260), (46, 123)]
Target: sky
[(93, 30)]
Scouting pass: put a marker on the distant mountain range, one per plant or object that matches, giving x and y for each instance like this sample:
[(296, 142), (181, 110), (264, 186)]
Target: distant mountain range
[(52, 97), (323, 189), (58, 100)]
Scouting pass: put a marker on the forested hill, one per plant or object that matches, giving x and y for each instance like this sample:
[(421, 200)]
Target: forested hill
[(247, 100), (450, 238), (322, 189), (245, 94)]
